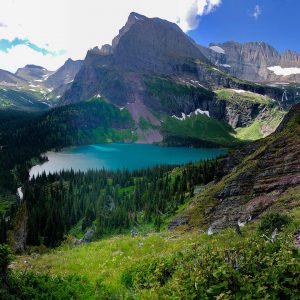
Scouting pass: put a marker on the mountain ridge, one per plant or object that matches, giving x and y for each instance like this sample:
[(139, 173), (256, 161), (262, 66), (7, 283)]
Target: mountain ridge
[(254, 61)]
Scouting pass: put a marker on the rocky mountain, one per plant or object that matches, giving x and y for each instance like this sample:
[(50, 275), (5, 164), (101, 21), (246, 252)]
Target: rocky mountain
[(33, 84), (64, 75), (156, 74), (255, 61), (10, 79), (262, 175), (33, 73)]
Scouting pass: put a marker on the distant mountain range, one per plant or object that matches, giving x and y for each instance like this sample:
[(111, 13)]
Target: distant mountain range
[(255, 61), (44, 83)]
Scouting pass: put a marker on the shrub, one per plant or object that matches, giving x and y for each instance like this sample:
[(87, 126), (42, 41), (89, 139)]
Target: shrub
[(271, 221), (6, 258), (251, 268)]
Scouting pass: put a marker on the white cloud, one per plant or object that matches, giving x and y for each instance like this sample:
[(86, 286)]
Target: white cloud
[(22, 55), (257, 12), (77, 25)]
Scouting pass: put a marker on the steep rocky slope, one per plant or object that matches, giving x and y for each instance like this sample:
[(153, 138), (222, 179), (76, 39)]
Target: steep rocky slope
[(255, 61), (258, 176), (64, 75)]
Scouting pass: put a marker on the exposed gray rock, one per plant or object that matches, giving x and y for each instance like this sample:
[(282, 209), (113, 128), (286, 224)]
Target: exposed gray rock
[(250, 61), (64, 75)]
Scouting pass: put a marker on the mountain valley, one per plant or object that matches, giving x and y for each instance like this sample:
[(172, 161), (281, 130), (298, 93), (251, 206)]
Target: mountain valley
[(222, 228)]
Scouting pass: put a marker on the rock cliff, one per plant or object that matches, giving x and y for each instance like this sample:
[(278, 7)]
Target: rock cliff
[(255, 61)]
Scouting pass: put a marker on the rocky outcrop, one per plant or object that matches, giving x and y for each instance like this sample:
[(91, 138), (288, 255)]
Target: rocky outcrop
[(257, 179), (253, 61)]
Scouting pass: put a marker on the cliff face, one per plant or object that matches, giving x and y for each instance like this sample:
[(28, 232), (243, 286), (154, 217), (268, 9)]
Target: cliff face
[(255, 61), (64, 74), (264, 174)]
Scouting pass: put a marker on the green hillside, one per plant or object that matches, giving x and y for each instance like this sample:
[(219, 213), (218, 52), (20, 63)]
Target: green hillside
[(200, 129), (173, 266), (21, 100)]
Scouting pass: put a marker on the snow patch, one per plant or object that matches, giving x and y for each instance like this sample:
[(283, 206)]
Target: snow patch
[(278, 70), (201, 112), (225, 66), (217, 49), (216, 69), (198, 111)]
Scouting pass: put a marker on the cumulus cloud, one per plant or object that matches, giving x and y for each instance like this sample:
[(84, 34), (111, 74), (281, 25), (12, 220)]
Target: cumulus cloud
[(257, 12), (77, 25), (22, 55), (197, 9)]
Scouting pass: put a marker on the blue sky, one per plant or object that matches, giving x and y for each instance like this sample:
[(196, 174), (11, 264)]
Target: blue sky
[(277, 24), (49, 32)]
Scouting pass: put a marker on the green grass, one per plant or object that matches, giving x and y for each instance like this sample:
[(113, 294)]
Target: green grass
[(201, 127), (234, 97), (106, 258), (261, 127), (251, 133), (178, 264)]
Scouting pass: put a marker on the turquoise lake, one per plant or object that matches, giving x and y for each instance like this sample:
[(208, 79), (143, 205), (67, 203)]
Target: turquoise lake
[(120, 156)]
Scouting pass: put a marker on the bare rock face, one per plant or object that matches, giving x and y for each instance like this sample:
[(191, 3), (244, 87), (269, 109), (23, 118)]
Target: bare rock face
[(64, 75), (164, 49), (251, 61), (132, 19)]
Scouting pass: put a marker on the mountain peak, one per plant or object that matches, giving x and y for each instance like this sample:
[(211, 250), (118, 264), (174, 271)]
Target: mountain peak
[(136, 16), (132, 19), (34, 67)]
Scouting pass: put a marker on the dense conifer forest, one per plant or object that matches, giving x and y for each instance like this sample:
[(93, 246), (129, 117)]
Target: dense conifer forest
[(112, 201)]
